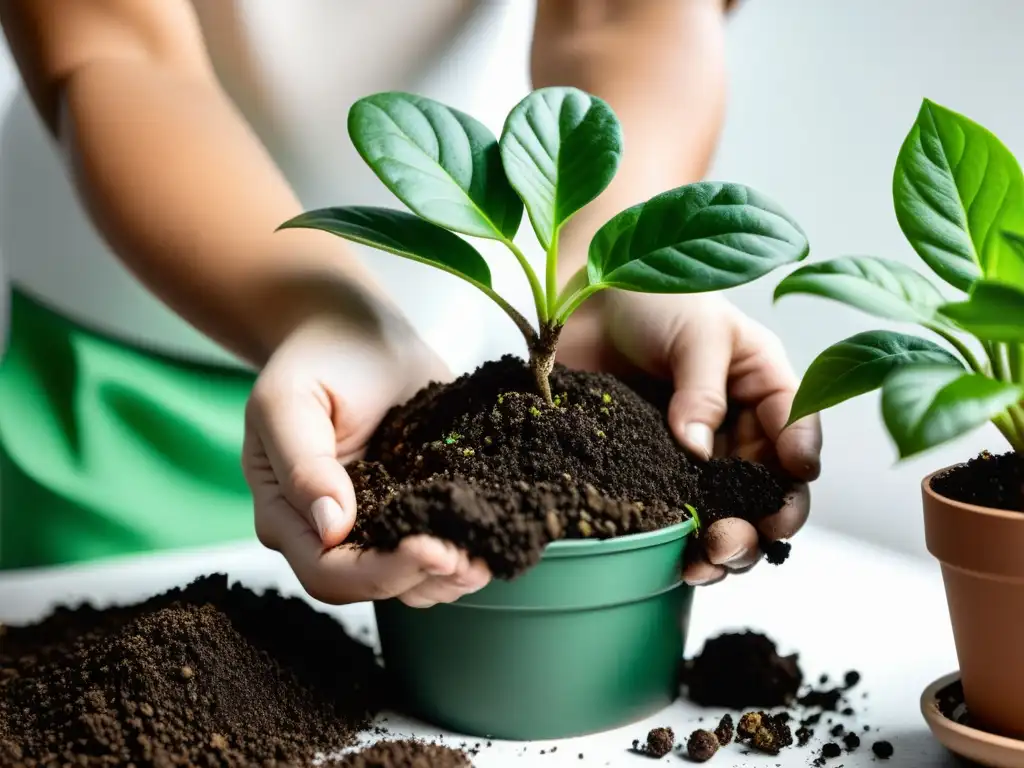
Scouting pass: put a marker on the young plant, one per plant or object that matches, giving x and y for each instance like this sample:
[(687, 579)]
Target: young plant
[(559, 150), (959, 199)]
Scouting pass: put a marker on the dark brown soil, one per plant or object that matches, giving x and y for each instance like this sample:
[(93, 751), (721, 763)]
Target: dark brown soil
[(765, 732), (988, 480), (737, 670), (659, 742), (951, 703), (882, 749), (484, 463), (725, 730), (702, 746), (407, 753), (209, 675)]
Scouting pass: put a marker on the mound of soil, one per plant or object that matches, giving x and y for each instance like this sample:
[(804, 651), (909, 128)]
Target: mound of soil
[(407, 753), (484, 463), (988, 480), (206, 675), (738, 670)]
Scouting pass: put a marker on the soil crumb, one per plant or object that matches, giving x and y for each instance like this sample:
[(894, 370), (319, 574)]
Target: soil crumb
[(988, 480), (484, 463), (724, 731), (737, 670), (659, 743), (883, 750), (406, 753), (765, 732), (207, 675), (701, 746)]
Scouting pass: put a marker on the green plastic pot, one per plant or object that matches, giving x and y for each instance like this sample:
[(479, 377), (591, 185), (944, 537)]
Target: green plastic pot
[(591, 638)]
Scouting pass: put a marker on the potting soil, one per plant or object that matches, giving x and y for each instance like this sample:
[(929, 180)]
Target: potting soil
[(406, 753), (484, 463), (988, 480), (209, 675)]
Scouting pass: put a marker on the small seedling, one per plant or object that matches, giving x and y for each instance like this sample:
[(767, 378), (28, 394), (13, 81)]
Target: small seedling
[(959, 199), (558, 151)]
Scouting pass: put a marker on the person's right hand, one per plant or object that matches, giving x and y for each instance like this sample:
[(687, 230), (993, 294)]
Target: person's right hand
[(313, 408)]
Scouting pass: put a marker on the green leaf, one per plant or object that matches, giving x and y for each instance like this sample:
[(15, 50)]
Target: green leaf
[(442, 163), (560, 147), (925, 406), (701, 237), (880, 287), (860, 364), (399, 233), (955, 188), (993, 312)]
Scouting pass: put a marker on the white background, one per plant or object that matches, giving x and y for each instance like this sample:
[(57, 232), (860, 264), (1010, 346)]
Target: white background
[(822, 94)]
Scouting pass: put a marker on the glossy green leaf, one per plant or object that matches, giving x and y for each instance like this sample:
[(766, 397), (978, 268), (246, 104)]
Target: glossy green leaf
[(399, 233), (993, 312), (880, 287), (956, 187), (561, 148), (925, 406), (442, 163), (706, 236), (860, 364)]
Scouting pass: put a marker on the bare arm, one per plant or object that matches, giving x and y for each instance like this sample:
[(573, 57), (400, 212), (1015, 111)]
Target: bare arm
[(171, 174), (660, 64)]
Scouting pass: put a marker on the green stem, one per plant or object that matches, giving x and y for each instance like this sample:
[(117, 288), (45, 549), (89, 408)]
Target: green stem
[(517, 317), (531, 275), (576, 282), (994, 353), (552, 277), (1011, 427), (1015, 353), (573, 302), (965, 352)]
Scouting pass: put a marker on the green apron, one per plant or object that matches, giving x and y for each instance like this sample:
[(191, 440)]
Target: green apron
[(106, 449)]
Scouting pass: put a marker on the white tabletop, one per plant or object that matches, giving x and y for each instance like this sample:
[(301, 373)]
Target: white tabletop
[(847, 605)]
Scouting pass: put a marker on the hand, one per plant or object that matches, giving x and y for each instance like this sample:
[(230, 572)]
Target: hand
[(715, 355), (312, 410)]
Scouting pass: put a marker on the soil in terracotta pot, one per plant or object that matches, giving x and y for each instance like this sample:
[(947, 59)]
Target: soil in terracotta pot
[(988, 480), (482, 462), (206, 675)]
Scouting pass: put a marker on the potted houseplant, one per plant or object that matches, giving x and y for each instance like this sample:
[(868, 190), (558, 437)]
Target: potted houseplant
[(583, 628), (959, 199)]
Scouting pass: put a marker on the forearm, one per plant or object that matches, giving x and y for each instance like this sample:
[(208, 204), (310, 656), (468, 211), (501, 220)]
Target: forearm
[(189, 200), (660, 65)]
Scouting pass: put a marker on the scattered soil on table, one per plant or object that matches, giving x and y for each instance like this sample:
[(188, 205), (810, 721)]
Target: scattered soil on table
[(659, 743), (744, 672), (737, 670), (482, 462), (206, 675), (882, 749), (407, 753), (988, 480), (702, 745)]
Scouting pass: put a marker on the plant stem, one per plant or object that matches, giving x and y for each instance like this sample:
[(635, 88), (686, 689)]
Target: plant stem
[(531, 275), (542, 359), (571, 304), (552, 276), (1015, 353), (965, 352), (995, 356), (576, 282), (517, 317), (1011, 428)]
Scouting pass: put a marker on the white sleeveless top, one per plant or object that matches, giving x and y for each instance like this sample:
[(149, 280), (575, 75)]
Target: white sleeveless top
[(293, 68)]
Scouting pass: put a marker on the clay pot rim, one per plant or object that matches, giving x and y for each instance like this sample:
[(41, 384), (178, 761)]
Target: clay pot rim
[(1000, 514)]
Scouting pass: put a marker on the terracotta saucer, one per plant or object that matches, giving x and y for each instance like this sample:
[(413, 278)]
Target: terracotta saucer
[(979, 746)]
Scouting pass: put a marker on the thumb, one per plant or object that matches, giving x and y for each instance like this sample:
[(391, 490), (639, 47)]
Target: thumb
[(296, 428), (700, 361)]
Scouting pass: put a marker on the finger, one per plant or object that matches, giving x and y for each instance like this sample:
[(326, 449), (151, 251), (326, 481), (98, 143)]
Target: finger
[(700, 572), (448, 589), (700, 372), (297, 433), (785, 523), (346, 574), (764, 376), (730, 542)]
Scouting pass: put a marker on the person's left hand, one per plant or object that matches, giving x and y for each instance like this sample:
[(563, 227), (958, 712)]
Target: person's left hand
[(715, 356)]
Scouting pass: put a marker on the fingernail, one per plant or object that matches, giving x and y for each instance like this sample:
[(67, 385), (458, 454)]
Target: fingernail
[(704, 582), (700, 437), (326, 514)]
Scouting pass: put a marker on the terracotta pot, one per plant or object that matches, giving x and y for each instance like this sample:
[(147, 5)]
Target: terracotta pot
[(982, 556)]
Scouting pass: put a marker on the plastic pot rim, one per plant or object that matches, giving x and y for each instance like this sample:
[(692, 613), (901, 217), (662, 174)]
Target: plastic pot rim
[(633, 541)]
